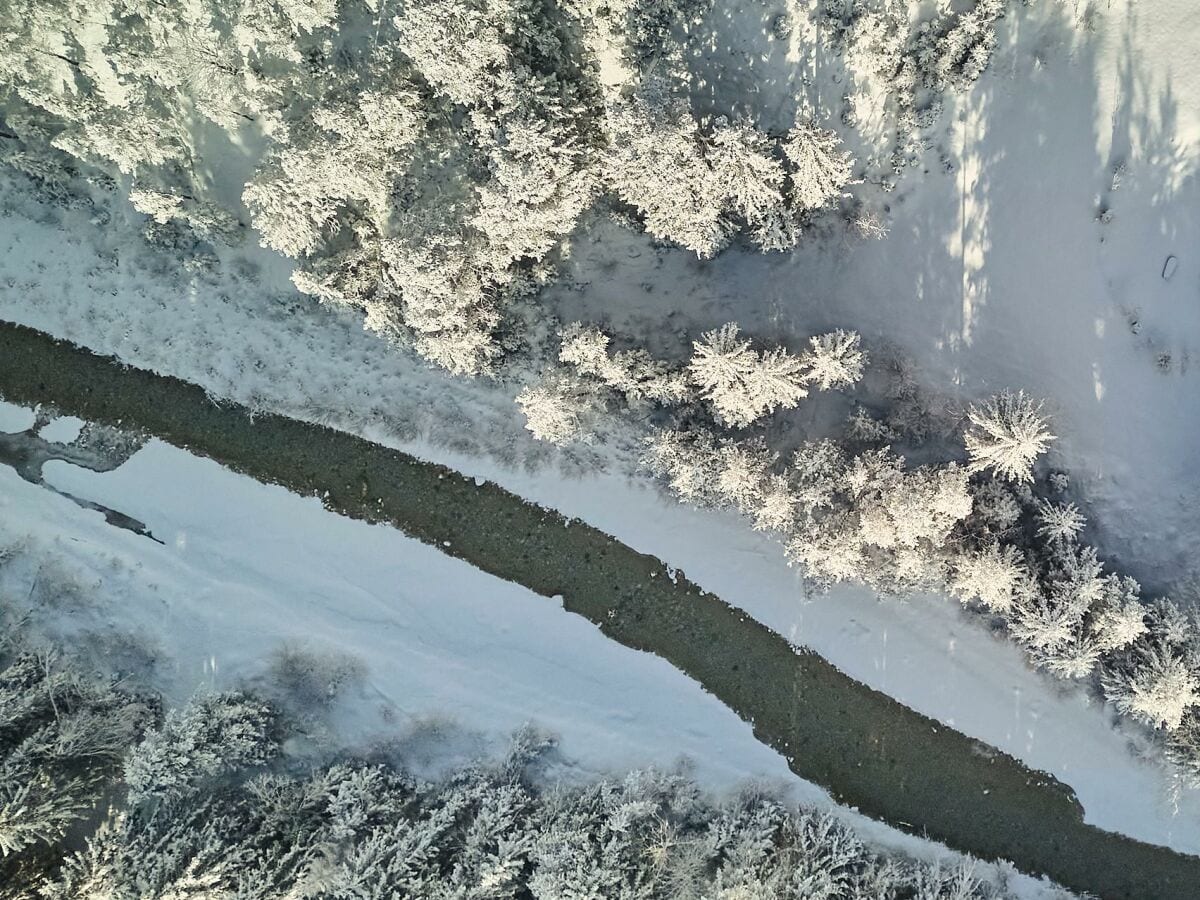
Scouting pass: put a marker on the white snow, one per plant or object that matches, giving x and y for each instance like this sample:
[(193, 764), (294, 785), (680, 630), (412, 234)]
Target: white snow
[(14, 418), (995, 275), (63, 430), (247, 568), (925, 651)]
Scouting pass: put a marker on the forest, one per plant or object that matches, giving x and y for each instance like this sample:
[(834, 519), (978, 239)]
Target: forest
[(434, 170)]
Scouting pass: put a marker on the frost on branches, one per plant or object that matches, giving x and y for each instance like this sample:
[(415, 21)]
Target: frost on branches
[(1007, 434), (743, 385), (215, 735), (834, 360), (698, 186), (357, 828), (656, 164), (992, 576), (62, 738), (556, 410), (820, 166)]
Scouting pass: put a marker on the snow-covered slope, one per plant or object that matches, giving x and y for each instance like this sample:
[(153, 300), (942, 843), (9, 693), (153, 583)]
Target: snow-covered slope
[(455, 660)]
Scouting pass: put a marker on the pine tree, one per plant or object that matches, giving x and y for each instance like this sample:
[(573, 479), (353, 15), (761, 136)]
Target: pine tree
[(214, 735), (834, 360), (1156, 685), (741, 384), (820, 168), (1007, 433), (992, 576), (1059, 521), (656, 163), (556, 410)]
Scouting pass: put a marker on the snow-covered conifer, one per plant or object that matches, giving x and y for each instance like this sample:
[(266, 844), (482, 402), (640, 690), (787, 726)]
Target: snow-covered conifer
[(656, 163), (992, 576), (906, 509), (1156, 685), (689, 462), (750, 177), (741, 384), (776, 509), (213, 735), (1120, 622), (556, 410), (1059, 521), (820, 167), (637, 375), (834, 359), (817, 471), (1008, 432), (743, 474), (830, 550)]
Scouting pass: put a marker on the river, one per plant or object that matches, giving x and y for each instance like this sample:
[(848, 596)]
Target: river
[(869, 751)]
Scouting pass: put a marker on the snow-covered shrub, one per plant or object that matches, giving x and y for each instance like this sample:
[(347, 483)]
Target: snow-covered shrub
[(212, 736), (1007, 434), (305, 679)]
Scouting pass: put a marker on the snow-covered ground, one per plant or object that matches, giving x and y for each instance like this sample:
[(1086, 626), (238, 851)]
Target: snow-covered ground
[(452, 656), (993, 275), (997, 274)]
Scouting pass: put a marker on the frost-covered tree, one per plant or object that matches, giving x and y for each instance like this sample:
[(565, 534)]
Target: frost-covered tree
[(656, 164), (458, 47), (750, 176), (689, 462), (778, 504), (953, 49), (556, 410), (1007, 434), (906, 508), (743, 385), (992, 576), (820, 168), (1059, 521), (62, 737), (634, 373), (834, 360), (214, 735), (743, 474), (1156, 685), (873, 521), (1122, 619)]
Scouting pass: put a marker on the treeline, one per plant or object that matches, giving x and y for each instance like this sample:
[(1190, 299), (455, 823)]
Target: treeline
[(425, 163), (852, 509), (101, 797)]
